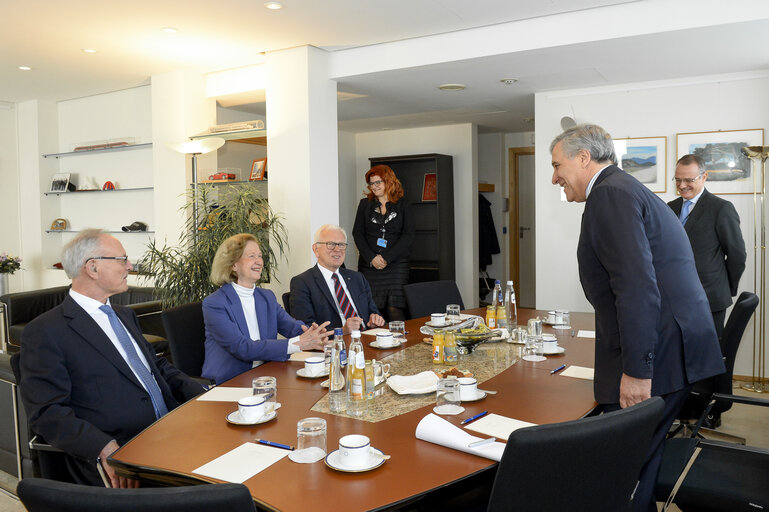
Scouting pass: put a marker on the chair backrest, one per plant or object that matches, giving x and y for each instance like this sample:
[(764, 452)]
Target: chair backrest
[(431, 297), (186, 334), (287, 302), (743, 309), (40, 495), (588, 464)]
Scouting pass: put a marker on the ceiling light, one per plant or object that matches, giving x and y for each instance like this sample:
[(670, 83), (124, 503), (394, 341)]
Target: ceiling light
[(89, 50), (509, 81), (273, 5), (169, 30), (25, 68), (451, 87)]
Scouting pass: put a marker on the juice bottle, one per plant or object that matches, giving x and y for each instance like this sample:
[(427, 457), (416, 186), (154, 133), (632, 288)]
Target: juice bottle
[(438, 340), (449, 347), (356, 371), (491, 317)]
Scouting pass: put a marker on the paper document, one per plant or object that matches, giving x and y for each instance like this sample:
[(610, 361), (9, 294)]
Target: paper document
[(224, 394), (585, 334), (242, 463), (435, 429), (374, 332), (301, 356), (578, 372), (498, 426)]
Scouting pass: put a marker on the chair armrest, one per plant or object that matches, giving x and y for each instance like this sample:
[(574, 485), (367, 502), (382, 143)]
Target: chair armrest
[(37, 443), (723, 397)]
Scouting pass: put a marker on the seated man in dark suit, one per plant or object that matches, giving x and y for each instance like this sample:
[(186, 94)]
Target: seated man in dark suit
[(89, 380), (319, 294)]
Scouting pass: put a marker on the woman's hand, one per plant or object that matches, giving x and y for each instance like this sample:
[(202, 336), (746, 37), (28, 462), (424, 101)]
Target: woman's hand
[(378, 262), (314, 337)]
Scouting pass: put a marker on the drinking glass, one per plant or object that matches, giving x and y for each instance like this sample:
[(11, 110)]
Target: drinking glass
[(535, 326), (534, 349), (398, 328), (268, 388), (311, 432), (447, 397), (452, 313), (563, 317)]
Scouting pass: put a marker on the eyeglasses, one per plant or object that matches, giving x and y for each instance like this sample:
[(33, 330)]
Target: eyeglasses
[(375, 183), (334, 245), (687, 180), (121, 259)]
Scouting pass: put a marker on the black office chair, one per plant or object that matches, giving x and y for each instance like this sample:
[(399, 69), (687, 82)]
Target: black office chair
[(722, 476), (287, 302), (583, 465), (186, 333), (701, 391), (40, 495), (431, 297)]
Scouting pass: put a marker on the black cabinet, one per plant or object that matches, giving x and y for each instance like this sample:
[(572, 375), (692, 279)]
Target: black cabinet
[(428, 184)]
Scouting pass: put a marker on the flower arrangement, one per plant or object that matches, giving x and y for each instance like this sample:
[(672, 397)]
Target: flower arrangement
[(9, 264)]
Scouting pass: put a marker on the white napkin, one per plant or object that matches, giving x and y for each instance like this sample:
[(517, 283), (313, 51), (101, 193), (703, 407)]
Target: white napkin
[(307, 455), (435, 429), (578, 372), (242, 463), (374, 332), (225, 394), (301, 356), (425, 382), (585, 334)]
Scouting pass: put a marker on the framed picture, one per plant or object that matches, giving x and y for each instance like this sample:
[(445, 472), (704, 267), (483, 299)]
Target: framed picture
[(644, 158), (60, 182), (729, 170), (430, 187), (258, 169)]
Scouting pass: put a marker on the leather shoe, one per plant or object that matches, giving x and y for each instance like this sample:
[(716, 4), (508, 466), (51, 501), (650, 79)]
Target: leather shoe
[(712, 422), (136, 226)]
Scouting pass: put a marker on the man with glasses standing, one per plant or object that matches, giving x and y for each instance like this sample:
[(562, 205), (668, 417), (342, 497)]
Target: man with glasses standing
[(89, 380), (327, 292)]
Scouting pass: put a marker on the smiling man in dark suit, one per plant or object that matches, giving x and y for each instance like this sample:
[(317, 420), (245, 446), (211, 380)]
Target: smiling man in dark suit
[(328, 292), (89, 380), (637, 270)]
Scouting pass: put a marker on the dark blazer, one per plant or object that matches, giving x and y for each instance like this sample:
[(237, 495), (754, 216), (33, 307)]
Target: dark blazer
[(637, 270), (311, 300), (230, 350), (714, 231), (399, 232), (78, 390)]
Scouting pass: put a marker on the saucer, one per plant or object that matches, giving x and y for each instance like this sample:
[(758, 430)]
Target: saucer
[(235, 419), (448, 410), (376, 344), (558, 350), (333, 460), (534, 359), (562, 327), (302, 372), (479, 396)]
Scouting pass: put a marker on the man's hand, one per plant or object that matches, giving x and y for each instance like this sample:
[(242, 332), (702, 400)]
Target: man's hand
[(633, 391), (116, 481), (378, 262), (352, 324), (375, 320), (314, 337)]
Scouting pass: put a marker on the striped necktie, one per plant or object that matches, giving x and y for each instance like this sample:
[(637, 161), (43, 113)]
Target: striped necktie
[(341, 297), (158, 403), (685, 212)]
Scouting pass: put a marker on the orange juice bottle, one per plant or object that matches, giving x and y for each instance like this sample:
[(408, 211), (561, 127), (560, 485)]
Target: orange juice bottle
[(491, 316), (438, 347)]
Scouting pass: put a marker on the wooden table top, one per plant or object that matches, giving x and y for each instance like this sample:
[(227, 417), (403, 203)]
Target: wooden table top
[(197, 432)]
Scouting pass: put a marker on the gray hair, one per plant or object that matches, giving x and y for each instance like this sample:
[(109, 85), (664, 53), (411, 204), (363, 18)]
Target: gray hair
[(324, 227), (590, 137), (693, 159), (80, 249)]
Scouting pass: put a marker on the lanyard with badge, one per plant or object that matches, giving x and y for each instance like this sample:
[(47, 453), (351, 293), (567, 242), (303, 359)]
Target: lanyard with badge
[(382, 241)]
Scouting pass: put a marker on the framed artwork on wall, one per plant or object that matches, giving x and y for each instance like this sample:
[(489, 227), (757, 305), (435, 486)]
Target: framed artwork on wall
[(644, 158), (729, 169), (258, 169), (60, 182), (430, 187)]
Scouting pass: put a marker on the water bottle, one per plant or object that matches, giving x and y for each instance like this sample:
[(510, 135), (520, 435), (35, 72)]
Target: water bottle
[(511, 309), (356, 377), (496, 295), (336, 383), (338, 337)]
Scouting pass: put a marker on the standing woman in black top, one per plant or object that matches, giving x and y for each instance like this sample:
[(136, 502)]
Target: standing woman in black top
[(383, 232)]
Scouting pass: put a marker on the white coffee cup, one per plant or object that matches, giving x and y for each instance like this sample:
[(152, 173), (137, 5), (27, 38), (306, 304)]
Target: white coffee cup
[(549, 345), (386, 339), (468, 388), (551, 317), (251, 408), (314, 366), (354, 450), (438, 318)]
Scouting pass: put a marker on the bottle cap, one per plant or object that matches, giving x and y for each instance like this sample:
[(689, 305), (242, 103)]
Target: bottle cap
[(510, 282), (338, 331), (496, 282), (355, 334)]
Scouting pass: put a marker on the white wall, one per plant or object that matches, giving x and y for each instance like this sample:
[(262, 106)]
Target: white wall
[(659, 109), (491, 169), (461, 142), (10, 240)]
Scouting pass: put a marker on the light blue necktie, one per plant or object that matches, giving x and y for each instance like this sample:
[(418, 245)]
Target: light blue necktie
[(685, 212), (136, 363)]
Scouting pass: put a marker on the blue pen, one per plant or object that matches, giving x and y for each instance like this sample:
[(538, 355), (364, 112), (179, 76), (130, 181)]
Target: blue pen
[(473, 418), (558, 369), (276, 445)]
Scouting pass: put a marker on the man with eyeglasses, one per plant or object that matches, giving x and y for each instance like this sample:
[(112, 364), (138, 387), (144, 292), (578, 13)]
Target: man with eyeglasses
[(327, 292), (89, 380)]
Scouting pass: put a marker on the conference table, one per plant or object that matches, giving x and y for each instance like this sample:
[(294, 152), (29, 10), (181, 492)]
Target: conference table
[(197, 432)]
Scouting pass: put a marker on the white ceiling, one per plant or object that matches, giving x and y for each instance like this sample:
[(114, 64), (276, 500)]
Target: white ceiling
[(49, 36)]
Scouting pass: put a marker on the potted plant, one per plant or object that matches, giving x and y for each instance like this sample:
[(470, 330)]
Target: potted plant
[(180, 272), (8, 265)]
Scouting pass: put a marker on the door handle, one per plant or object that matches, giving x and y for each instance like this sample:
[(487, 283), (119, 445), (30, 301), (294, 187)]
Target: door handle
[(521, 229)]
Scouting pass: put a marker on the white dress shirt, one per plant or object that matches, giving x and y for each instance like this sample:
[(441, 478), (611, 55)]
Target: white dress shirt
[(330, 283)]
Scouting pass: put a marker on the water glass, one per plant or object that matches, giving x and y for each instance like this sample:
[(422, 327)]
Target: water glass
[(534, 349), (562, 317), (398, 329), (447, 397), (266, 387), (535, 327), (452, 313), (311, 432)]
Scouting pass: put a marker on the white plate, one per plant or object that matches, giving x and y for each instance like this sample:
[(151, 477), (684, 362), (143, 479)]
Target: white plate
[(376, 344), (558, 350), (562, 327), (333, 461), (302, 372), (479, 396), (235, 419)]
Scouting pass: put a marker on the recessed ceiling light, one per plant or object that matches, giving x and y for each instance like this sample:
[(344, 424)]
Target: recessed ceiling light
[(273, 5), (451, 87), (89, 50), (169, 30), (25, 68), (509, 81)]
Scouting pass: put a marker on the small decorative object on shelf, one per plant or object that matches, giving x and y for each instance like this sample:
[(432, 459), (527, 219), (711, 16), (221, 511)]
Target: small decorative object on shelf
[(222, 176), (430, 187), (108, 186), (60, 183), (59, 225), (258, 169), (107, 145), (8, 265), (136, 226)]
